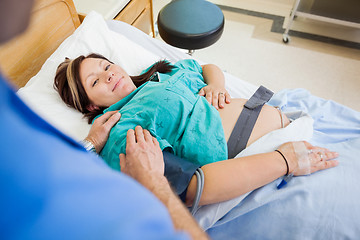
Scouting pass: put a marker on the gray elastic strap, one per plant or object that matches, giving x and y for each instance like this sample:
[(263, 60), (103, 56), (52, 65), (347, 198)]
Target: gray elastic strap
[(199, 189), (246, 121)]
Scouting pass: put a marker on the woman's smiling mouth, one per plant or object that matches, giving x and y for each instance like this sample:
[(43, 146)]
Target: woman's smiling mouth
[(117, 84)]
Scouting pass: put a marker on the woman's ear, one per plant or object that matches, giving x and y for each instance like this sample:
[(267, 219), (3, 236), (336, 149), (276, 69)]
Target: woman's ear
[(91, 107)]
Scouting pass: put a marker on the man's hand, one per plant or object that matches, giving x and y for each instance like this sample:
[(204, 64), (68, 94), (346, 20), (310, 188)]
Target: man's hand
[(144, 158), (99, 132), (144, 162)]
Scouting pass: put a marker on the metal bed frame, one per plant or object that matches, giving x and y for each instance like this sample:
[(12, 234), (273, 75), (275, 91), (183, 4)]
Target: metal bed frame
[(296, 12)]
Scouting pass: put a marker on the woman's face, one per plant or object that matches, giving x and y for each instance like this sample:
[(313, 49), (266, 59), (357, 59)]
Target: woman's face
[(105, 83)]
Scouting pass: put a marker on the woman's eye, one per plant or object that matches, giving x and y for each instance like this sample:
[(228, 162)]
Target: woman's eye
[(95, 82), (107, 67)]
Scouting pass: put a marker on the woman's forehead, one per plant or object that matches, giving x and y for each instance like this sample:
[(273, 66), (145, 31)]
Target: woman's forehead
[(93, 61), (87, 67), (90, 63)]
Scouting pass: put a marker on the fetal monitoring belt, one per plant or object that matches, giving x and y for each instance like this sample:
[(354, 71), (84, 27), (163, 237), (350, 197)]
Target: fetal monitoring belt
[(241, 133), (239, 136)]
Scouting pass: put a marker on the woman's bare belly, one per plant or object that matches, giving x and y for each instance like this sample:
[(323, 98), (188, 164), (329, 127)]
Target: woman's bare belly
[(269, 119)]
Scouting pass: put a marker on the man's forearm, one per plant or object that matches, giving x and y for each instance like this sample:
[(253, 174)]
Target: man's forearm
[(180, 215)]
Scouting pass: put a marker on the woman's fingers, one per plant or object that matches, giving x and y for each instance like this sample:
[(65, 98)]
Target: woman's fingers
[(202, 92), (322, 154), (215, 100), (215, 96), (332, 155), (209, 96), (321, 158), (222, 97), (327, 155), (227, 98), (319, 153), (311, 158), (328, 164), (322, 165)]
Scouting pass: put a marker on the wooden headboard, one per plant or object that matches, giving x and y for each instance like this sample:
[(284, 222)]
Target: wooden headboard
[(51, 23)]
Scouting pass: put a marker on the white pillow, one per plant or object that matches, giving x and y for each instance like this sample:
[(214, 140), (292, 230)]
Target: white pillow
[(93, 35)]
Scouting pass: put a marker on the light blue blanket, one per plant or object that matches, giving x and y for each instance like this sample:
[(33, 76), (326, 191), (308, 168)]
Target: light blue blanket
[(324, 205)]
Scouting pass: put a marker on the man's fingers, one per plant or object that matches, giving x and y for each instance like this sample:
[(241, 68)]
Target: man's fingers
[(122, 159), (112, 120), (102, 119), (130, 137), (147, 135), (155, 141), (139, 134)]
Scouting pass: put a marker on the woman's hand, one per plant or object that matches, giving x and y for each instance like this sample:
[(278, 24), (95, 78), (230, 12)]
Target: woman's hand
[(144, 158), (304, 158), (215, 92), (100, 129), (215, 95)]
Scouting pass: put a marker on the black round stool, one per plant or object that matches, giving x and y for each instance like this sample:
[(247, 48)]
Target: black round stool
[(190, 24)]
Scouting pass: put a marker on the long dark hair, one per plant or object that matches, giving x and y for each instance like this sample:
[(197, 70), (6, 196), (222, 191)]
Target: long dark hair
[(68, 84)]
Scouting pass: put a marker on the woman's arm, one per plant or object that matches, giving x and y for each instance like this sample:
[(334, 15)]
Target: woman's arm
[(231, 178), (215, 91)]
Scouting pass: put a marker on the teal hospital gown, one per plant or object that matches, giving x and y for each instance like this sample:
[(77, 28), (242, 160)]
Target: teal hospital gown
[(183, 122)]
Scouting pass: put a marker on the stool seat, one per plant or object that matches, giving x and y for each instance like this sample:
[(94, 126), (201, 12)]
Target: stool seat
[(190, 24)]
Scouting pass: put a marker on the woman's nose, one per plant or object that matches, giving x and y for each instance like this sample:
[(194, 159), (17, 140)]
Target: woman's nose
[(109, 77)]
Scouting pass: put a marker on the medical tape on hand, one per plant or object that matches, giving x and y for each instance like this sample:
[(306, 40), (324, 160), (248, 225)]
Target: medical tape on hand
[(303, 158)]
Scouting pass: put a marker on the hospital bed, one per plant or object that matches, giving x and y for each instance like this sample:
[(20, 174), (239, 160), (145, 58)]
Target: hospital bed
[(323, 205)]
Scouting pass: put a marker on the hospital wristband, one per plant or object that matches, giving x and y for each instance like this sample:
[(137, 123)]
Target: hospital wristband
[(89, 146)]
